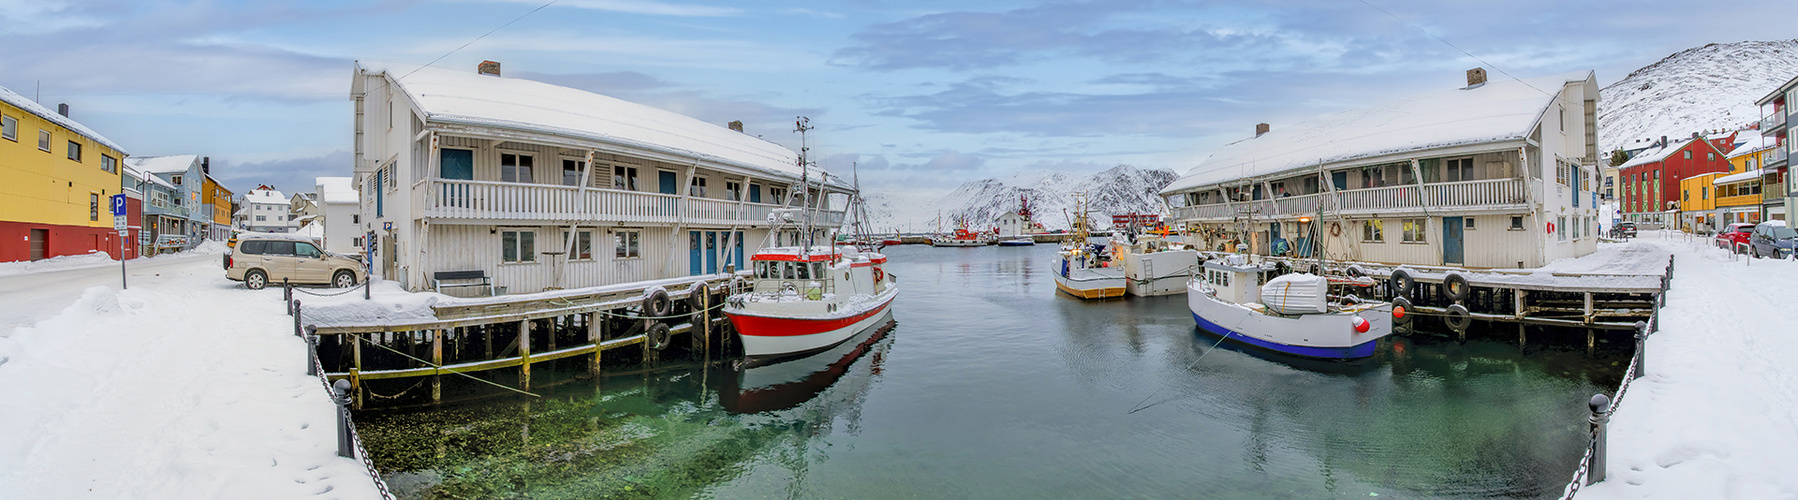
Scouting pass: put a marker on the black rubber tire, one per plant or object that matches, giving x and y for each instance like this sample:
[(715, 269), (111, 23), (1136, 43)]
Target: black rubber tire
[(1458, 318), (1401, 283), (656, 303), (657, 336), (255, 279), (1754, 252), (1456, 287), (343, 279), (1355, 271), (1405, 303), (694, 297)]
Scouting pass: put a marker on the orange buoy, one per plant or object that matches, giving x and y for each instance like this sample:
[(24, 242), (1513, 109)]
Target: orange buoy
[(1398, 312), (1361, 324)]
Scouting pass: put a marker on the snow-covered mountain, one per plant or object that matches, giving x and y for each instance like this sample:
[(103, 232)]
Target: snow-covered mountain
[(1120, 189), (1694, 90)]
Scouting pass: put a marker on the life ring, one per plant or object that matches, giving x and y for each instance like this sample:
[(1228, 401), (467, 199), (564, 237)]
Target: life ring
[(1401, 310), (657, 336), (656, 303), (879, 275), (1456, 287), (1336, 229), (1551, 228), (1401, 282), (1458, 318)]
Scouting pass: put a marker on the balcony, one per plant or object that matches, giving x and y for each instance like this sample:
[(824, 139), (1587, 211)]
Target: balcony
[(485, 201), (1492, 194), (1774, 122), (1776, 157)]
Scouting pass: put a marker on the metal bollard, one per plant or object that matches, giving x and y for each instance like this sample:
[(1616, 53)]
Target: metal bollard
[(1641, 354), (346, 445), (312, 350), (367, 283), (287, 295), (296, 319), (1601, 414)]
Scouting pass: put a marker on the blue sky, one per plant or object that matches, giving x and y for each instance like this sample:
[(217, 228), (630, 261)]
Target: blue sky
[(923, 94)]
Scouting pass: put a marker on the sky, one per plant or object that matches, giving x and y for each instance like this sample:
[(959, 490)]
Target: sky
[(919, 95)]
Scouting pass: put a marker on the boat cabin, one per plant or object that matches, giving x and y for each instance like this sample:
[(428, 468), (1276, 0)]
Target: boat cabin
[(1236, 279), (815, 273)]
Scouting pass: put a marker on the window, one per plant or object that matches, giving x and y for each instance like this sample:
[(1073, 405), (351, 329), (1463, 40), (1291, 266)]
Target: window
[(778, 195), (755, 193), (1704, 192), (253, 247), (1561, 228), (733, 191), (1563, 111), (278, 248), (1688, 154), (9, 128), (43, 140), (355, 218), (583, 245), (93, 207), (175, 179), (1710, 156), (1685, 195), (624, 178), (262, 218), (109, 164), (514, 168), (356, 242), (629, 244), (1468, 224), (1563, 172), (571, 172), (1459, 169), (697, 190), (518, 246), (75, 151), (1414, 229), (1373, 230), (306, 250), (1516, 223)]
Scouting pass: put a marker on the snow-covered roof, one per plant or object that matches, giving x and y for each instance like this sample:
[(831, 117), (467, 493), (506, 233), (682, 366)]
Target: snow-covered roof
[(170, 164), (1753, 144), (337, 190), (1652, 155), (264, 196), (1739, 177), (33, 107), (1498, 111), (141, 176), (468, 98)]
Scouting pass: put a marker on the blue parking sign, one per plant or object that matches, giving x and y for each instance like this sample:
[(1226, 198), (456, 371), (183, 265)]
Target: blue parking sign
[(118, 204)]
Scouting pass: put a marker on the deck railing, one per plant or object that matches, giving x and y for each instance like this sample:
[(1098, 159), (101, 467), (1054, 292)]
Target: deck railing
[(1776, 156), (487, 200), (1774, 120), (1443, 195)]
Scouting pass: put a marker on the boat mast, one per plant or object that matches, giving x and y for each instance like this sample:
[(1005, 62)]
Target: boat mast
[(801, 125)]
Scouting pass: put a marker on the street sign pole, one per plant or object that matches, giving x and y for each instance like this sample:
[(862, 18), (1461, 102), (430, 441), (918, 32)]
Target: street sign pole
[(118, 223)]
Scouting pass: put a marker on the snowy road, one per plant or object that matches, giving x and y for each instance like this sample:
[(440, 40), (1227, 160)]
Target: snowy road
[(184, 386)]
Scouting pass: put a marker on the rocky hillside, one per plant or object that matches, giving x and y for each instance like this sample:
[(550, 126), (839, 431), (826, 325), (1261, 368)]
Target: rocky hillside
[(1705, 88), (1120, 189)]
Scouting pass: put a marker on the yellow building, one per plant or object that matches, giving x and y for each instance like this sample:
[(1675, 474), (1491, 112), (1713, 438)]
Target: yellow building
[(1738, 197), (214, 195), (56, 179), (1698, 203)]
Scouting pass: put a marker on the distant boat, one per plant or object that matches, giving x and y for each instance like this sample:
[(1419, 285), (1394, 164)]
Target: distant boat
[(1083, 269), (895, 240), (1022, 240)]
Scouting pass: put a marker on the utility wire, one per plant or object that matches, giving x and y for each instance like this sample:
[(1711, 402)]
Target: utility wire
[(478, 38), (1453, 46)]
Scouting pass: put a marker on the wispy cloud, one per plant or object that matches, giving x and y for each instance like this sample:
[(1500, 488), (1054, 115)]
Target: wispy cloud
[(737, 55), (292, 175), (636, 7)]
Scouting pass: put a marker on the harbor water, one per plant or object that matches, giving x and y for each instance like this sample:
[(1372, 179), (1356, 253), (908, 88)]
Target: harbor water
[(987, 383)]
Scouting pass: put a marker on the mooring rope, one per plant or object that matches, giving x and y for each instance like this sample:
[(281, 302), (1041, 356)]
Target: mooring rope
[(346, 290), (440, 367), (1139, 404)]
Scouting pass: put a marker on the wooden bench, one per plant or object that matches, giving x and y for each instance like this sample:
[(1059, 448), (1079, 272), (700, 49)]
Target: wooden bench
[(469, 278)]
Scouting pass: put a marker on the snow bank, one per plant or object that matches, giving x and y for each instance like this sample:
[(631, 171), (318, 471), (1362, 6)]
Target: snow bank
[(1716, 415), (187, 386), (95, 259), (388, 304)]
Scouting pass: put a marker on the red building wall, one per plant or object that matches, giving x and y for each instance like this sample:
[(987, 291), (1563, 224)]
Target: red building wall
[(15, 240), (1672, 169), (134, 221)]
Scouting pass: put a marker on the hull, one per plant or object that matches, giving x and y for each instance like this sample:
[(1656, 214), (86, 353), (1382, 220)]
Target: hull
[(1159, 273), (956, 243), (1017, 243), (1101, 283), (767, 335), (1328, 336), (766, 385)]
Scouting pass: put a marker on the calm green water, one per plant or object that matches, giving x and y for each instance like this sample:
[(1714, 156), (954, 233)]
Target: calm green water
[(988, 384)]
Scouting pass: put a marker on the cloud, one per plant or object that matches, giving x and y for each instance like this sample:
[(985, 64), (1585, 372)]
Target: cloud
[(292, 175), (759, 118), (636, 7), (618, 50)]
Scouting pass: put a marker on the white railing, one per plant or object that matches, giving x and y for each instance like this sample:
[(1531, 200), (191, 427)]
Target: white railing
[(486, 200), (1774, 120), (1778, 155), (1444, 195)]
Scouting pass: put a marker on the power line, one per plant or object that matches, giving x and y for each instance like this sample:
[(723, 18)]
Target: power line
[(1453, 46), (478, 38)]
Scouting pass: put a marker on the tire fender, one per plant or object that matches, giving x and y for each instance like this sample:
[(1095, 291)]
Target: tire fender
[(656, 303), (1458, 318), (657, 336), (1406, 304), (1455, 285), (1401, 282)]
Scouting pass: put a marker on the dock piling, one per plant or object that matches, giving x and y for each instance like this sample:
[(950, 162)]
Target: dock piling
[(1601, 414), (296, 319), (1641, 354), (437, 360)]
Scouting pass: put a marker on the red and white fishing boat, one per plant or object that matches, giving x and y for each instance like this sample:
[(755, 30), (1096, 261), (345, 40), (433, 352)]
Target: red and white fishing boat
[(804, 298)]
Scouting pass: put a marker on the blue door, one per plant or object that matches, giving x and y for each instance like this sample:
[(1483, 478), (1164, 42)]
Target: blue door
[(665, 183), (738, 261), (695, 259), (711, 252), (1451, 240)]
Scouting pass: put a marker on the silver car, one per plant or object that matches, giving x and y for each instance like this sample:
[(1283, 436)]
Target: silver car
[(258, 261)]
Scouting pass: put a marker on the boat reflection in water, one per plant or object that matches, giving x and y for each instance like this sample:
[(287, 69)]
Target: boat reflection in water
[(779, 384)]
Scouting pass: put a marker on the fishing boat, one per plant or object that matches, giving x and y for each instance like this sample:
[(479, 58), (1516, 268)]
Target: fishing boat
[(1293, 313), (1084, 269), (805, 298), (769, 385), (962, 237), (1156, 265), (895, 240), (1022, 240)]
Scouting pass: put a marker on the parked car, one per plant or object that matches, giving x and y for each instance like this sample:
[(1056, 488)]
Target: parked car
[(1734, 236), (260, 260), (1772, 239), (1624, 230)]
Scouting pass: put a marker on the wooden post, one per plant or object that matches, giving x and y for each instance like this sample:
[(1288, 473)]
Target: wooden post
[(356, 366), (554, 328), (524, 354), (595, 337), (437, 359), (1588, 308), (1522, 337), (487, 332), (1517, 297), (1591, 339)]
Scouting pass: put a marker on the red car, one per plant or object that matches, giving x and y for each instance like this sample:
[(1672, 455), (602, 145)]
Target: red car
[(1734, 236)]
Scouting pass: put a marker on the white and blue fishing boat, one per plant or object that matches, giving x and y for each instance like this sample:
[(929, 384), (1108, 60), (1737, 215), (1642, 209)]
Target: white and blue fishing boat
[(1292, 314)]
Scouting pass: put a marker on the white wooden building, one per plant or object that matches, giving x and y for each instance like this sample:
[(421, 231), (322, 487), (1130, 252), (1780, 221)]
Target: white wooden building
[(1012, 224), (1497, 174), (543, 187), (267, 211), (339, 210)]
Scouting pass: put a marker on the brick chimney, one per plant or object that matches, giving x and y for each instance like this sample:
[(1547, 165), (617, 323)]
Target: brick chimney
[(488, 68), (1260, 128), (736, 125), (63, 109), (1476, 77), (206, 165)]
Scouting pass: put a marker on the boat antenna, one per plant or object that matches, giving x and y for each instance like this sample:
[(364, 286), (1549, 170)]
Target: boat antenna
[(801, 125)]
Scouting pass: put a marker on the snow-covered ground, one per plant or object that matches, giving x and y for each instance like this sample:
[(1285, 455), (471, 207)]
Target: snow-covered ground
[(1716, 415), (184, 386)]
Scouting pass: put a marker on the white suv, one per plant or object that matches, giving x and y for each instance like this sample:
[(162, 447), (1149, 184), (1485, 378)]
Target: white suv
[(260, 260)]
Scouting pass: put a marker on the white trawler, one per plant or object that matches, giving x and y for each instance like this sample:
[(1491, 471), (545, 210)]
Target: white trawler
[(1083, 269), (806, 298)]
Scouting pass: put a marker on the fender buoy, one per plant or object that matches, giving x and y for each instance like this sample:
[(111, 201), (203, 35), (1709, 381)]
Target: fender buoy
[(1551, 228), (1458, 318), (1336, 229), (1401, 282), (657, 336), (1361, 325), (879, 275), (1456, 287), (1401, 308), (656, 303)]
